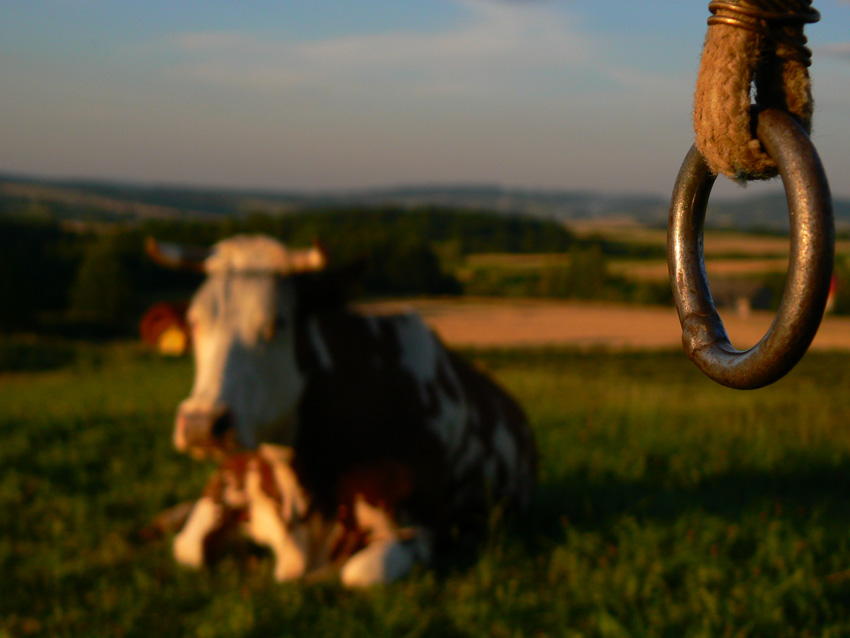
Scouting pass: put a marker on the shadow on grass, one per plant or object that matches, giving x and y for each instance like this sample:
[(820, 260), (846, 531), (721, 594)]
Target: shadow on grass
[(597, 502), (802, 488)]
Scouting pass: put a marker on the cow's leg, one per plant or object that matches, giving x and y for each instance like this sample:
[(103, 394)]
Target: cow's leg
[(266, 526), (207, 516), (390, 553), (385, 561)]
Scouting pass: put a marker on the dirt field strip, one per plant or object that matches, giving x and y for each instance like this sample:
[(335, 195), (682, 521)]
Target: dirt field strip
[(522, 322)]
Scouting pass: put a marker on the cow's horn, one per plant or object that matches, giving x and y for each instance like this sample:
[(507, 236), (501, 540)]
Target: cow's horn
[(177, 256), (308, 260)]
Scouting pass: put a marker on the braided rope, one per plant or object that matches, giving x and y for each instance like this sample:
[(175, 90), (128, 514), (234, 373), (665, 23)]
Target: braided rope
[(750, 43)]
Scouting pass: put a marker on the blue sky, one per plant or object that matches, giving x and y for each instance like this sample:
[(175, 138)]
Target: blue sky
[(329, 94)]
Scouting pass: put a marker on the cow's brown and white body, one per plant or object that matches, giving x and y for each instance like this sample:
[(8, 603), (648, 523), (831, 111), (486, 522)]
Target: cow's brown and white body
[(384, 442)]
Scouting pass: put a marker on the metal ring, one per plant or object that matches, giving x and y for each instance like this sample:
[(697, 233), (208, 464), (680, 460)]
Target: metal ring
[(809, 273)]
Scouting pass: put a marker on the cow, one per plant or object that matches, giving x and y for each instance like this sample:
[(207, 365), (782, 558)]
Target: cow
[(357, 438)]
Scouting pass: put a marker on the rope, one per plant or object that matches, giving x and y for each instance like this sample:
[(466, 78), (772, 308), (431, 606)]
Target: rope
[(751, 43)]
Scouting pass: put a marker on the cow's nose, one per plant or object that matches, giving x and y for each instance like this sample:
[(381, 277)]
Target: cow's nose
[(203, 427), (222, 422)]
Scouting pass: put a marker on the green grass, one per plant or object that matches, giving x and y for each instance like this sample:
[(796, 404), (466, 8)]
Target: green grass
[(668, 506)]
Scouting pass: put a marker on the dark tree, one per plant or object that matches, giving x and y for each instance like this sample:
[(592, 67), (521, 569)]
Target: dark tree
[(101, 294)]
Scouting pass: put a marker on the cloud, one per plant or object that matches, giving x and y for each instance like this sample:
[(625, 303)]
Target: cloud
[(498, 41)]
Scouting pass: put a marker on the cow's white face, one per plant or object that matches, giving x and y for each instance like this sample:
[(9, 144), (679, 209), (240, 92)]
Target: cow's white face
[(247, 384)]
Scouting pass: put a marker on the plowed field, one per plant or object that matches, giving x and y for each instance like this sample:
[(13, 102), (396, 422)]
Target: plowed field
[(485, 322)]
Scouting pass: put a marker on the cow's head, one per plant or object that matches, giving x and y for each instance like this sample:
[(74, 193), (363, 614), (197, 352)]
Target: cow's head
[(247, 382)]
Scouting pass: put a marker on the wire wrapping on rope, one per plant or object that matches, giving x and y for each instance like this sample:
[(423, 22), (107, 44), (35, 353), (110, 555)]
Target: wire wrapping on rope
[(770, 21), (750, 43)]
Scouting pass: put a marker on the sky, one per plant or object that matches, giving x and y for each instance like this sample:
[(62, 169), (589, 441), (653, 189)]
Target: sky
[(338, 95)]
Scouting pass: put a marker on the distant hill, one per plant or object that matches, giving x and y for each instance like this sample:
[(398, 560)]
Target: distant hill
[(91, 201)]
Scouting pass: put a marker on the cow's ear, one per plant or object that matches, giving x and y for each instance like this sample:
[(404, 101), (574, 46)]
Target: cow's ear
[(333, 286)]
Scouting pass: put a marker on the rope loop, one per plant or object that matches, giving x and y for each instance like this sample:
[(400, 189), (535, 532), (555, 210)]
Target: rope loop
[(751, 43)]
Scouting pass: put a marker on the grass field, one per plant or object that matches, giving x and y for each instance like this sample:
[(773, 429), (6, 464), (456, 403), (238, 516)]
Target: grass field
[(718, 243), (668, 507)]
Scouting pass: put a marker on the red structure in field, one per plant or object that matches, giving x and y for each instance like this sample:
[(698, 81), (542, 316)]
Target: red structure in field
[(164, 327)]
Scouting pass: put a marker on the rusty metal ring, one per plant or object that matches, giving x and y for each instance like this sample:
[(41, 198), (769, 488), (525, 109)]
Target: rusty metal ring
[(809, 273)]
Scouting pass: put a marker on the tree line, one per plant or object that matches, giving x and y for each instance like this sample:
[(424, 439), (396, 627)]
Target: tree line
[(55, 277), (65, 277)]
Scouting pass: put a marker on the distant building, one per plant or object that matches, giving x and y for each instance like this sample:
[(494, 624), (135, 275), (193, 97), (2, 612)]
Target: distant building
[(742, 295)]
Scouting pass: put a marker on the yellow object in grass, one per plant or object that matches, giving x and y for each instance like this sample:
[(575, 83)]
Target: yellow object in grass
[(173, 342)]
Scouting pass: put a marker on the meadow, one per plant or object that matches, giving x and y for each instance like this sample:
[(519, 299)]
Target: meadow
[(667, 507)]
